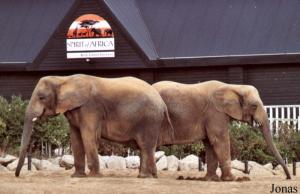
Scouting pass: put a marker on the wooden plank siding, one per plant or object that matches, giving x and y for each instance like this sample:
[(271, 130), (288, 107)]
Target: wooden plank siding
[(126, 55), (277, 84), (16, 83)]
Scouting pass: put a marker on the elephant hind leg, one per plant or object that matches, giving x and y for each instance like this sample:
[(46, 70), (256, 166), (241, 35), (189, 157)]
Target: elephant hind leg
[(147, 141), (148, 165), (211, 161)]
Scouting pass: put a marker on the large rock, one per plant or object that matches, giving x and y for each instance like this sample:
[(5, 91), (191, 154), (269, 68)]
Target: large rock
[(162, 163), (3, 168), (116, 162), (102, 162), (173, 163), (132, 162), (158, 155), (268, 166), (257, 169), (190, 162), (44, 165), (7, 159), (12, 166), (67, 162), (55, 161), (238, 165)]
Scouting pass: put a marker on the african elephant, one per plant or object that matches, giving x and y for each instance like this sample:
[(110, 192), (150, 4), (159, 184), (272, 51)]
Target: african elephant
[(124, 110), (203, 111)]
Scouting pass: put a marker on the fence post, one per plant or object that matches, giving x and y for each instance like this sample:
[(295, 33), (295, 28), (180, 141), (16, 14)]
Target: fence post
[(294, 167), (200, 167), (246, 171), (276, 121), (29, 156), (298, 123), (271, 118)]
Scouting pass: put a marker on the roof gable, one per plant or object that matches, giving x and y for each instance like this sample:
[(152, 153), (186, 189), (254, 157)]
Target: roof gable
[(128, 14)]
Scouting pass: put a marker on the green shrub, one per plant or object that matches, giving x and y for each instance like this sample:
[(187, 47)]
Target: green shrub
[(53, 130), (288, 141), (249, 143)]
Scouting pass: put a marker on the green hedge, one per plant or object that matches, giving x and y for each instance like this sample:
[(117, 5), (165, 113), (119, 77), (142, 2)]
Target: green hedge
[(53, 130)]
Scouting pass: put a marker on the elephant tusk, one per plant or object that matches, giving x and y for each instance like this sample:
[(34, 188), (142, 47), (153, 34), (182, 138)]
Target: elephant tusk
[(34, 119)]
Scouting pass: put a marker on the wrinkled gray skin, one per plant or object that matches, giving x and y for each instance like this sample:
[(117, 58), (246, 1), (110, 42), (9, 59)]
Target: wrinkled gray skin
[(203, 111), (121, 109)]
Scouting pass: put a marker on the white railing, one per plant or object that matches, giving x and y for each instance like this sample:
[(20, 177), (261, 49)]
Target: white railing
[(279, 114)]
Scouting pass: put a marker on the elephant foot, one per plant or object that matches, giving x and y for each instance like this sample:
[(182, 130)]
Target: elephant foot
[(146, 175), (242, 179), (228, 178), (78, 175), (95, 175), (213, 177)]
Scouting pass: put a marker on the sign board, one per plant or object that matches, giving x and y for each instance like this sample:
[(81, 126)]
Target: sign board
[(90, 36)]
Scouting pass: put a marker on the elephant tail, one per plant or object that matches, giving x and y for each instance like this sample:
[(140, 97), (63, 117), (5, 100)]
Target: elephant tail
[(168, 133)]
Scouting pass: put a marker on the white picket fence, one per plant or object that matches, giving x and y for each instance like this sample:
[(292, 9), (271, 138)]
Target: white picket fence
[(279, 114)]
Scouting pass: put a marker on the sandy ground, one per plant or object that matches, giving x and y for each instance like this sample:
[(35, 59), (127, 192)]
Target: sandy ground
[(125, 181)]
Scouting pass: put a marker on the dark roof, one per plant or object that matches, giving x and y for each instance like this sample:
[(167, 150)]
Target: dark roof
[(194, 31), (211, 28), (129, 16), (26, 26)]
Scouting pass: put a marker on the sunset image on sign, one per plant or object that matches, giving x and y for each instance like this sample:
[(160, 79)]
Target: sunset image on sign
[(90, 36), (90, 26)]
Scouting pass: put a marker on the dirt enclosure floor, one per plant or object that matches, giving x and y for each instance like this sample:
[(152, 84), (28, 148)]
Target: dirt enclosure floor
[(125, 181)]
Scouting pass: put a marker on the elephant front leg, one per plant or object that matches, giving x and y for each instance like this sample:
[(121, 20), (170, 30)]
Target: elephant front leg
[(211, 161), (78, 151), (221, 147), (90, 147)]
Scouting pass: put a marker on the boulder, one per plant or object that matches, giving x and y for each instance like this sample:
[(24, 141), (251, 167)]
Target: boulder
[(238, 165), (190, 162), (102, 162), (158, 155), (162, 163), (55, 161), (44, 165), (12, 166), (7, 159), (257, 169), (67, 162), (3, 169), (173, 163), (116, 162), (132, 162), (268, 166)]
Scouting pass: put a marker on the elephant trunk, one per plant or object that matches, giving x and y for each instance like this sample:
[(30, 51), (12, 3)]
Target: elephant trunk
[(268, 138), (26, 136)]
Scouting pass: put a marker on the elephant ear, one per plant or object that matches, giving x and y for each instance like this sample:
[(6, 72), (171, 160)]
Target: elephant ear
[(228, 101), (73, 93)]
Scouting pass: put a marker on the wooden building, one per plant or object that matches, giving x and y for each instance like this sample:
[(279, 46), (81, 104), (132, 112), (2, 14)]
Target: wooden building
[(244, 42)]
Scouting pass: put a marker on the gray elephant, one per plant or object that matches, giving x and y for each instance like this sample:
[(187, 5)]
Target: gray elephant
[(203, 111), (119, 109)]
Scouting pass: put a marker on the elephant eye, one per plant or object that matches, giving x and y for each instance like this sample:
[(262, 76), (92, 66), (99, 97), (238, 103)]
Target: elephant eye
[(42, 97), (254, 106)]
